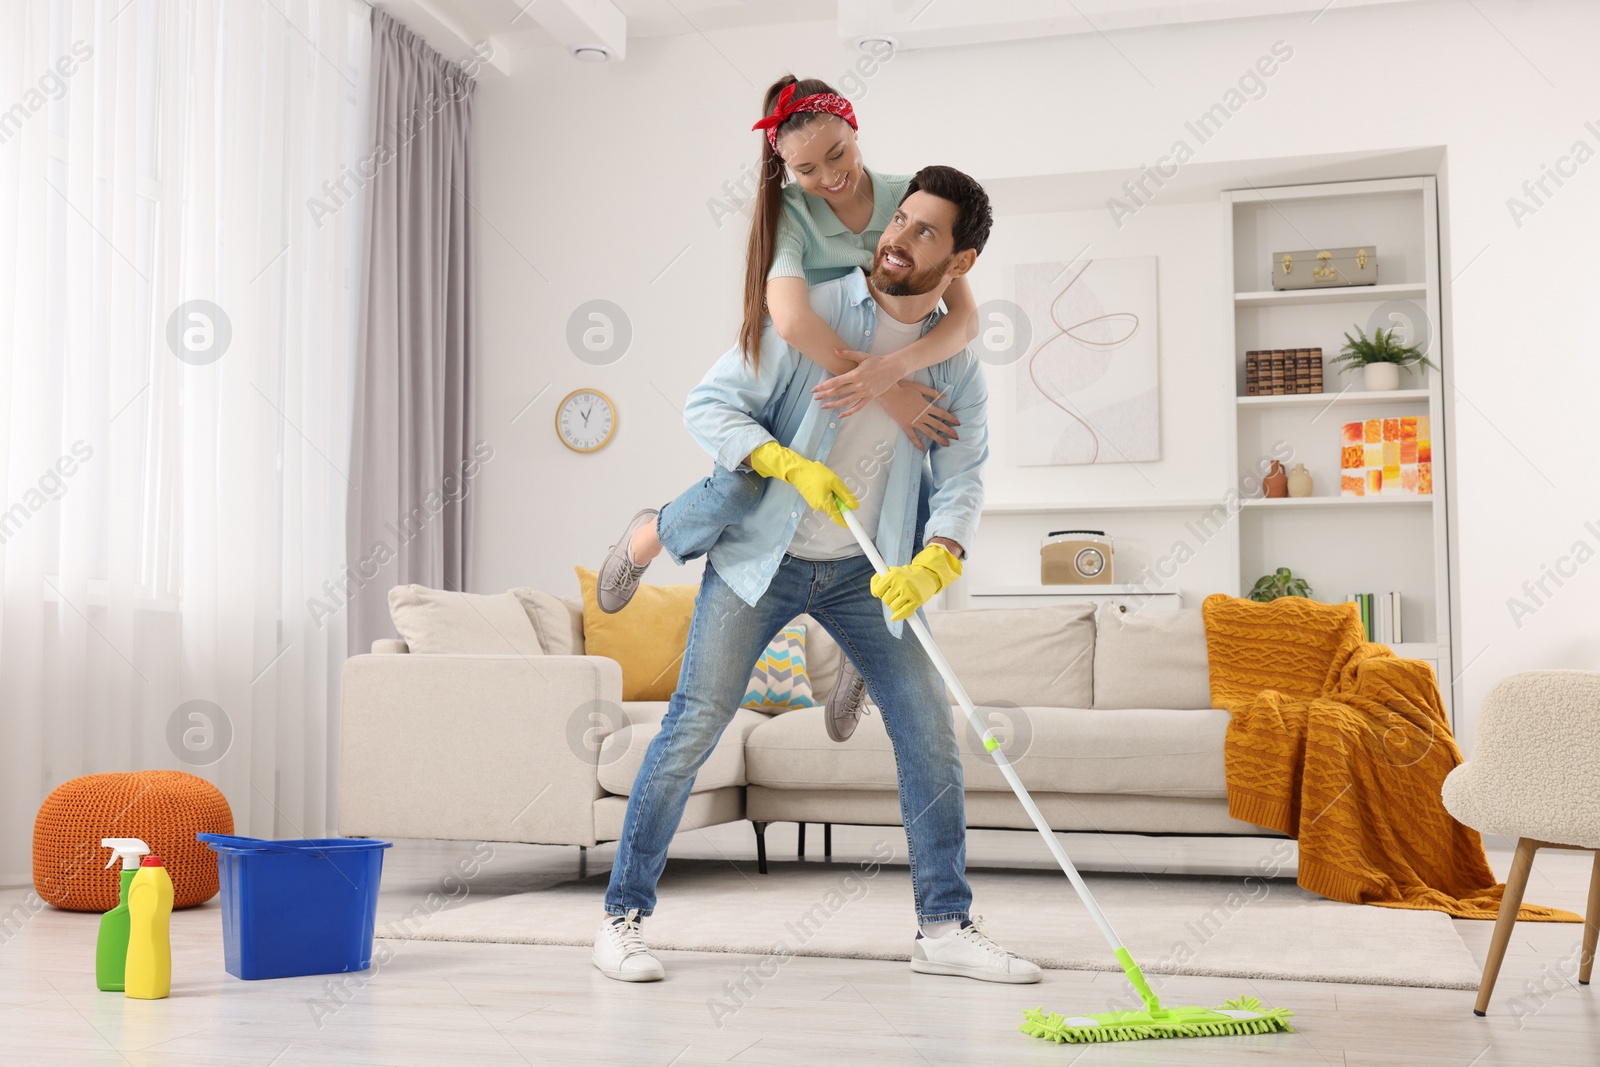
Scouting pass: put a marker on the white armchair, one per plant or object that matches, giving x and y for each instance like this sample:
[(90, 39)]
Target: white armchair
[(1534, 776)]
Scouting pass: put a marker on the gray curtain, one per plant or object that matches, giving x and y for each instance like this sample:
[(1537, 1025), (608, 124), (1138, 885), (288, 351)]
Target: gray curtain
[(412, 456)]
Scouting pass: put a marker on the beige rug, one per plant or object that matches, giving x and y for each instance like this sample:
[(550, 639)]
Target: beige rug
[(1173, 924)]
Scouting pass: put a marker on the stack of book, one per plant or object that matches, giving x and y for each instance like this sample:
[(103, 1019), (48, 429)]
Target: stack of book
[(1282, 371), (1380, 616)]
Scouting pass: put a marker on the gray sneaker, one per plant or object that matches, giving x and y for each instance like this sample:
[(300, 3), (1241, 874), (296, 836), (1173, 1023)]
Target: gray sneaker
[(847, 702), (619, 574)]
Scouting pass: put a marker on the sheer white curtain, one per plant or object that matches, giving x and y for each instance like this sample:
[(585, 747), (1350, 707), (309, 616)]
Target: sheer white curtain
[(180, 231)]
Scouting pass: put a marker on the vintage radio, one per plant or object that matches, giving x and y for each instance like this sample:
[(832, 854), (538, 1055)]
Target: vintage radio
[(1075, 557), (1321, 268)]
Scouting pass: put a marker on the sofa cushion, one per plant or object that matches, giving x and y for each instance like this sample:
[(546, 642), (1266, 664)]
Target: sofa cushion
[(823, 657), (1018, 657), (445, 622), (647, 640), (575, 617), (779, 682), (557, 620), (1154, 659), (622, 752), (1139, 751)]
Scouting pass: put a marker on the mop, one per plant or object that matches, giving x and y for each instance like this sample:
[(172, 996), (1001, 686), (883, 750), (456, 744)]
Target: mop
[(1244, 1015)]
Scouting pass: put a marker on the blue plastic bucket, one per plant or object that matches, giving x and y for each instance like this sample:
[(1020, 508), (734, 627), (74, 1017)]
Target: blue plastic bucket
[(297, 907)]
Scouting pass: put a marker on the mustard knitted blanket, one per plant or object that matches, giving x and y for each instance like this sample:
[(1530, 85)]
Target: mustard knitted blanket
[(1342, 745)]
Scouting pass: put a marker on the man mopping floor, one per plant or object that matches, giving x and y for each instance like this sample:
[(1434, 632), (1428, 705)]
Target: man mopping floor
[(783, 559)]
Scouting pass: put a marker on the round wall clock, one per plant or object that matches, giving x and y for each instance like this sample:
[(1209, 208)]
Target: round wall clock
[(585, 420)]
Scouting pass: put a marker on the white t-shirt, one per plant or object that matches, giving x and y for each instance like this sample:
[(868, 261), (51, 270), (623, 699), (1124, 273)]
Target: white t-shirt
[(862, 450)]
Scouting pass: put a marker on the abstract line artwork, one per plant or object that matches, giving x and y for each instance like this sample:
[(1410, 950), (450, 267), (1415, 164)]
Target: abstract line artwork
[(1087, 389)]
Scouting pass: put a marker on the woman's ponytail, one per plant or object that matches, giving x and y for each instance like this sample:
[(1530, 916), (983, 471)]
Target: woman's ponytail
[(768, 208)]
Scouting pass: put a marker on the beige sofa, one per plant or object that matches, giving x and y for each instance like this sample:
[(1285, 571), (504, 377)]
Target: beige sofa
[(1107, 718)]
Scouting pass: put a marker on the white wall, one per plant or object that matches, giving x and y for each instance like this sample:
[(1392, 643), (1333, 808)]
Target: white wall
[(593, 182), (1196, 401)]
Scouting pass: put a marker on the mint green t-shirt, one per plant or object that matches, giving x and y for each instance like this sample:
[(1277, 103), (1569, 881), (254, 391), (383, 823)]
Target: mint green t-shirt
[(813, 244)]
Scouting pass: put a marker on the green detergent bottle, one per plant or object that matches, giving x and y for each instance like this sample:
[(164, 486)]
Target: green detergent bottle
[(111, 950)]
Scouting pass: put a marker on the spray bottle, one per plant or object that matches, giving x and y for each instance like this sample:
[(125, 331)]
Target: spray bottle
[(111, 950), (149, 974)]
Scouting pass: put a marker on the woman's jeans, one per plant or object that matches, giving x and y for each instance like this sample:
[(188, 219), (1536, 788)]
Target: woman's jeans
[(725, 640), (692, 522)]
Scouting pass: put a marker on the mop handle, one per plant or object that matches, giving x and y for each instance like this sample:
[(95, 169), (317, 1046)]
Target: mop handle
[(993, 747)]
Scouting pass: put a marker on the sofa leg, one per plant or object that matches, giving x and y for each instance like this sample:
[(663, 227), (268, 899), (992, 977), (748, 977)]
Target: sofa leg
[(800, 845), (583, 862), (761, 845), (827, 840)]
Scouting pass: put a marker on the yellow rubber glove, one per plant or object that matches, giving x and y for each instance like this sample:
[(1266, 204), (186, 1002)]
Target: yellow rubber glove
[(907, 588), (816, 483)]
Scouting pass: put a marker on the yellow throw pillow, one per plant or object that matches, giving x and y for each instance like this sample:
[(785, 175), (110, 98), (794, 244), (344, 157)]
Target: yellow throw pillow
[(647, 637)]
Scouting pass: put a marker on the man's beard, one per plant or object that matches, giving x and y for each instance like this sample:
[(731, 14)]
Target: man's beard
[(914, 283)]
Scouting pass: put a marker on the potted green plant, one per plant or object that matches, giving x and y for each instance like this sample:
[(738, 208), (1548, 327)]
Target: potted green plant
[(1380, 358), (1279, 583)]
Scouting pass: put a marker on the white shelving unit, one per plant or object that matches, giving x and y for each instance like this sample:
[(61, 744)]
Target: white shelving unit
[(1048, 508), (1341, 544), (1337, 502), (1124, 597), (1345, 294), (1323, 400)]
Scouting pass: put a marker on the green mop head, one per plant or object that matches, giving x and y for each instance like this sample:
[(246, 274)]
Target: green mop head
[(1242, 1016)]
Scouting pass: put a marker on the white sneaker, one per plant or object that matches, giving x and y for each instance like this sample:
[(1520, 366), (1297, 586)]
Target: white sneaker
[(968, 953), (620, 952)]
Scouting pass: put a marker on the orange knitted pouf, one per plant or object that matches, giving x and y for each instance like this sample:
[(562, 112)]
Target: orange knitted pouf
[(164, 809)]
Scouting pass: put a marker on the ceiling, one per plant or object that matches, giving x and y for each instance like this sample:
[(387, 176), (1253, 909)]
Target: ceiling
[(454, 26)]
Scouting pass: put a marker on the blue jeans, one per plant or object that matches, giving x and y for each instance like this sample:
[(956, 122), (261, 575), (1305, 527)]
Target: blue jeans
[(691, 523), (725, 639)]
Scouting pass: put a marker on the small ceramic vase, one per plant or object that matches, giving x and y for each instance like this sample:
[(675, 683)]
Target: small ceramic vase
[(1276, 483), (1380, 377), (1299, 481)]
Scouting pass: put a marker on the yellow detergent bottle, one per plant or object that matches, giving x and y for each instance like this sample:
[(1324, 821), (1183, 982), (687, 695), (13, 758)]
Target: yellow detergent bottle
[(148, 975)]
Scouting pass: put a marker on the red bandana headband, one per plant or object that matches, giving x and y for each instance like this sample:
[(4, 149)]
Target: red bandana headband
[(828, 103)]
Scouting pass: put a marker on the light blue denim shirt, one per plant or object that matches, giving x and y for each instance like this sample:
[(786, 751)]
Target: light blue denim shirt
[(735, 409)]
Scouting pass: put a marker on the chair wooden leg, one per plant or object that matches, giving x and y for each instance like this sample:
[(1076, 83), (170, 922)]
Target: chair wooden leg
[(1510, 904), (1591, 924), (800, 847), (827, 841), (761, 845), (583, 862)]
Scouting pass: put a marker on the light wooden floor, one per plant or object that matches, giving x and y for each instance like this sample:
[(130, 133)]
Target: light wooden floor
[(472, 1004)]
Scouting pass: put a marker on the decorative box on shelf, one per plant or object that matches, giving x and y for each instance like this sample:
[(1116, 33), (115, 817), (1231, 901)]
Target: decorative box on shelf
[(1128, 598), (1319, 268)]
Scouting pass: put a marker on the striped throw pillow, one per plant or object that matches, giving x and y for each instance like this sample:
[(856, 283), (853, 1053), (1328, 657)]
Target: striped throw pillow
[(779, 682)]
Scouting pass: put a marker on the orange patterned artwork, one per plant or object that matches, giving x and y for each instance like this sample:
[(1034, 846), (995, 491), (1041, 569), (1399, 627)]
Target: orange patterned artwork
[(1352, 460), (1385, 457)]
